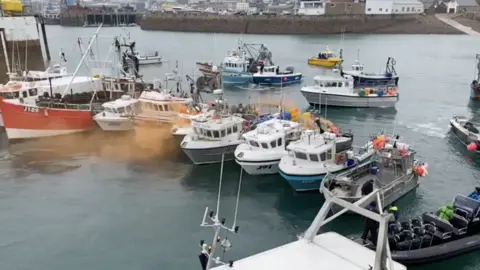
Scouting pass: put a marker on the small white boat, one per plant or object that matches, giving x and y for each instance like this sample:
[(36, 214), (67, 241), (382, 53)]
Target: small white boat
[(340, 92), (149, 58), (466, 132), (116, 115), (312, 157), (264, 146)]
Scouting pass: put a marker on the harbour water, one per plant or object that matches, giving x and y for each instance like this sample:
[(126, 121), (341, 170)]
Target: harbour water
[(105, 202)]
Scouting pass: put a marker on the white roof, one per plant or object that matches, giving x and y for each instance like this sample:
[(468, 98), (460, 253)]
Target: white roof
[(328, 251), (202, 121), (119, 103), (161, 96), (332, 78), (317, 144), (271, 129), (64, 81)]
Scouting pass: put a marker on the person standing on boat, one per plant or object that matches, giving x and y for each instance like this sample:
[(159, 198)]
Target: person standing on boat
[(370, 225), (393, 210), (367, 188)]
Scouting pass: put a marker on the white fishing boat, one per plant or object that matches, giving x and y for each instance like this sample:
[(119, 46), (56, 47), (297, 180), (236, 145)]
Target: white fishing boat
[(315, 155), (313, 250), (340, 92), (149, 58), (466, 132), (264, 146), (117, 114)]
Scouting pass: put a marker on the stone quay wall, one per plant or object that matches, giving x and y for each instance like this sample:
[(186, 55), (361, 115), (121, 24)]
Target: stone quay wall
[(297, 25)]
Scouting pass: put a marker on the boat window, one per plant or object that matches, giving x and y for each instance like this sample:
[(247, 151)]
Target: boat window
[(313, 157), (235, 129), (32, 92), (129, 109), (24, 94), (121, 109), (334, 84), (165, 107), (323, 156), (229, 130), (155, 106), (105, 86), (339, 84), (300, 155), (160, 108), (222, 133), (346, 84), (208, 133), (216, 134), (124, 87), (254, 144), (273, 144), (264, 145), (279, 141), (329, 154), (196, 131), (117, 87), (108, 110)]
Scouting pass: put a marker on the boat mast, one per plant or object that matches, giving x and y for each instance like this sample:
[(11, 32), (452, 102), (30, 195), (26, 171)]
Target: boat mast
[(83, 58), (477, 67), (383, 254), (208, 252)]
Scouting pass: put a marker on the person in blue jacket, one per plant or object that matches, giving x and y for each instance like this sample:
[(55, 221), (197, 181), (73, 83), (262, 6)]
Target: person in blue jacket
[(476, 194)]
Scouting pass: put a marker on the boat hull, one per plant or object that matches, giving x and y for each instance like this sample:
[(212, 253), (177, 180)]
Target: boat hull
[(301, 183), (369, 81), (236, 78), (26, 121), (149, 60), (121, 124), (212, 155), (324, 62), (461, 134), (475, 93), (280, 79), (259, 167), (350, 100)]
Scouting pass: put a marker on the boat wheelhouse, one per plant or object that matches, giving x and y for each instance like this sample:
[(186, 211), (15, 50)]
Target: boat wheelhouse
[(264, 146), (363, 79), (339, 91), (326, 58), (235, 67), (315, 155), (213, 137), (117, 114)]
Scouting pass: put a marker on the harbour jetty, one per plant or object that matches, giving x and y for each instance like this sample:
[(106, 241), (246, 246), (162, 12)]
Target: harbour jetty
[(298, 25), (23, 44)]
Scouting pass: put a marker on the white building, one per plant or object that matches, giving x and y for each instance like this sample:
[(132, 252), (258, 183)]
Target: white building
[(377, 7), (242, 6), (311, 8), (407, 7), (452, 6)]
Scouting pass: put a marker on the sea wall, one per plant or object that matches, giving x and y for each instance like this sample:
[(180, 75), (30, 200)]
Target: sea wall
[(94, 19), (298, 25)]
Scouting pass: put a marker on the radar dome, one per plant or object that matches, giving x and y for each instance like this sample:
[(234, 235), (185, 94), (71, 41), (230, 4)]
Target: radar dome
[(215, 68)]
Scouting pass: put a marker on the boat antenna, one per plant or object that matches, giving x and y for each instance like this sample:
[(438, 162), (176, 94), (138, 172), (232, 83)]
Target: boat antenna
[(207, 252), (83, 58)]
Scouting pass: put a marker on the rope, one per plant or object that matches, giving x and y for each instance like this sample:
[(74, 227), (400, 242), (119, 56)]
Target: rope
[(238, 198), (220, 185)]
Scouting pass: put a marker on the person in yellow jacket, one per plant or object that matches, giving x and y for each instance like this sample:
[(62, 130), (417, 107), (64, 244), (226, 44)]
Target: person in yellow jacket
[(393, 210), (445, 212)]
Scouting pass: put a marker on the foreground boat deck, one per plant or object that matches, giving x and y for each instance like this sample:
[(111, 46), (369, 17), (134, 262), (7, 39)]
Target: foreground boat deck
[(328, 251)]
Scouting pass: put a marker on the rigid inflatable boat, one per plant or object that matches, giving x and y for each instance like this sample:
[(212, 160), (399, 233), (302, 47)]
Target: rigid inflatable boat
[(431, 239)]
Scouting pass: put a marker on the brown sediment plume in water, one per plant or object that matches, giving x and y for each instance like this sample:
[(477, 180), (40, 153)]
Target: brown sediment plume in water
[(142, 144)]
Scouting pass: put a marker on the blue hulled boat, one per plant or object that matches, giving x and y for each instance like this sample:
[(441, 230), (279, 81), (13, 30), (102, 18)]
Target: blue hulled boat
[(363, 79), (273, 76)]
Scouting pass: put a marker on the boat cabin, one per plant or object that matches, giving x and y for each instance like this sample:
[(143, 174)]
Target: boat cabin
[(326, 55), (123, 86), (313, 147), (14, 90), (122, 106), (272, 134), (235, 61), (217, 128), (357, 67), (334, 82)]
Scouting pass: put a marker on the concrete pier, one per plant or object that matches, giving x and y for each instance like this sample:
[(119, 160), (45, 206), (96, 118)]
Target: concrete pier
[(448, 19)]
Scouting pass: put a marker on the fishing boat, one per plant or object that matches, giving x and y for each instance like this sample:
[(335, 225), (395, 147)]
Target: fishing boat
[(117, 114), (326, 58), (466, 132), (361, 78), (272, 75), (264, 146), (339, 91), (315, 155), (239, 64), (475, 85), (393, 171), (314, 249), (429, 238), (149, 58)]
